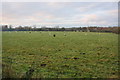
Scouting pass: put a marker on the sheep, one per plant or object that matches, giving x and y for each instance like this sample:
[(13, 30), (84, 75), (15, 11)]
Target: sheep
[(64, 34), (54, 35)]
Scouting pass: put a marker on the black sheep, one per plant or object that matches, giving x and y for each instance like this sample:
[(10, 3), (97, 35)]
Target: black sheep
[(54, 35)]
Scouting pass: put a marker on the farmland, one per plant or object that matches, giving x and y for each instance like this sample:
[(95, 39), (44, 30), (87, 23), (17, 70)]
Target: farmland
[(73, 55)]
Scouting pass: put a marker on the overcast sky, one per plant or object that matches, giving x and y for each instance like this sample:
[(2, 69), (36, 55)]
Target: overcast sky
[(60, 13)]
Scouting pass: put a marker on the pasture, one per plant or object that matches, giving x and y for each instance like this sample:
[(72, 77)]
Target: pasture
[(73, 55)]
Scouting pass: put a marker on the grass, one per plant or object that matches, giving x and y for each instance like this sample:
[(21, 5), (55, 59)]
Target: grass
[(76, 55)]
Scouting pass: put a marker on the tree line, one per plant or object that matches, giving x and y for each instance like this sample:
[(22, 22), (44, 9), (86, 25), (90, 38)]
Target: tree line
[(76, 29)]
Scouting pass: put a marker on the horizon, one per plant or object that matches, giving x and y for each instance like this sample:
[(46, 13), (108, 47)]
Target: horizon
[(57, 26)]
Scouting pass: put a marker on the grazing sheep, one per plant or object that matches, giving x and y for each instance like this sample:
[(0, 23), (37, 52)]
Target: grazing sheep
[(54, 35), (64, 34)]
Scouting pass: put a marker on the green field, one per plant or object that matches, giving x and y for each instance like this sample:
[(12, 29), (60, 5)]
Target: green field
[(76, 55)]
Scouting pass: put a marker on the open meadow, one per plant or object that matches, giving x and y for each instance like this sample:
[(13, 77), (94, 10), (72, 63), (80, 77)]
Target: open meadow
[(38, 54)]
